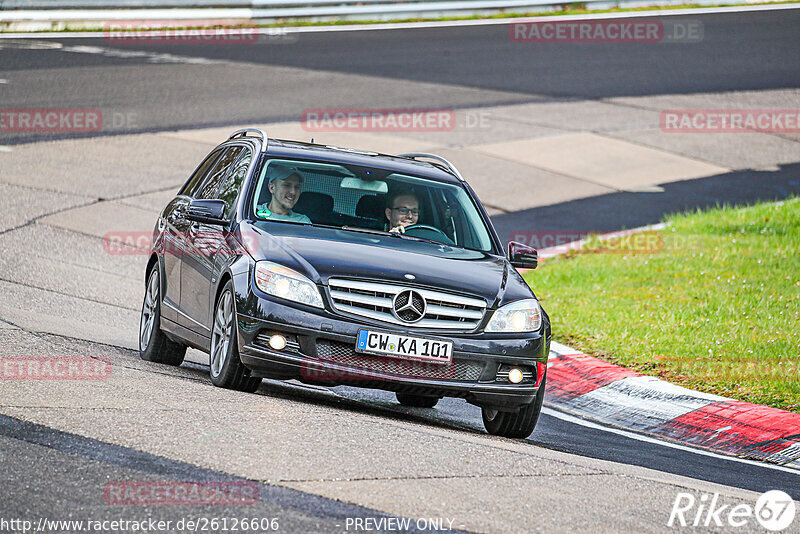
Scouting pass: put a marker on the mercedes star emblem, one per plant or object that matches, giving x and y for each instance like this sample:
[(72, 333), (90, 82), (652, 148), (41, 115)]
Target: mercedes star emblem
[(409, 306)]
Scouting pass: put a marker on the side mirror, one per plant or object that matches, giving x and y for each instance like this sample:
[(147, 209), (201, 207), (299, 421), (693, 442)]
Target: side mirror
[(522, 256), (206, 211)]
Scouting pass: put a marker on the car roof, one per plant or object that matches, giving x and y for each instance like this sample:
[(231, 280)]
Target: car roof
[(333, 154)]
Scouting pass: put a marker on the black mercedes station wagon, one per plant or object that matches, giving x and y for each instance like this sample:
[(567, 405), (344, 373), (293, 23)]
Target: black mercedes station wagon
[(335, 266)]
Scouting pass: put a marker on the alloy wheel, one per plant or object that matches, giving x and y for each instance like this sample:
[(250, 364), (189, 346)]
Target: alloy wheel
[(221, 333), (148, 312)]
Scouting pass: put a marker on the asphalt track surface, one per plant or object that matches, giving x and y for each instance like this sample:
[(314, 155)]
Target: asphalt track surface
[(741, 51), (479, 66), (553, 432)]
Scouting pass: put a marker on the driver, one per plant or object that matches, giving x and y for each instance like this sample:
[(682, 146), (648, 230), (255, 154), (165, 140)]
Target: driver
[(402, 211), (285, 184)]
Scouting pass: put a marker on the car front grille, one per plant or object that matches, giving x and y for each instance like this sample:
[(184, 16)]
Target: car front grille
[(345, 354), (375, 300)]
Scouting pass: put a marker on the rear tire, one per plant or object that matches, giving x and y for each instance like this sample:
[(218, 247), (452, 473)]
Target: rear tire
[(154, 345), (417, 401), (226, 368), (515, 425)]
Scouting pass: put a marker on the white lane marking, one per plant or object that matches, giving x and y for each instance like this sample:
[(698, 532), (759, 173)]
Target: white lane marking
[(150, 57), (6, 43), (646, 439), (3, 81), (447, 24), (5, 148)]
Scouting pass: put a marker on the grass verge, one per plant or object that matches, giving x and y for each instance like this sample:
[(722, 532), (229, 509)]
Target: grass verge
[(568, 8), (716, 309)]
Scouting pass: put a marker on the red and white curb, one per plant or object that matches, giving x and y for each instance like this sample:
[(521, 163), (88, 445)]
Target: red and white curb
[(599, 391)]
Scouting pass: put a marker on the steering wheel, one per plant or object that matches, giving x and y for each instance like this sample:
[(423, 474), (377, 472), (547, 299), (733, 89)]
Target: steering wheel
[(428, 232)]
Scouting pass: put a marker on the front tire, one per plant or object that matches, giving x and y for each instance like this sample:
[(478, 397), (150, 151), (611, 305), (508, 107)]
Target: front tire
[(416, 401), (227, 370), (154, 345), (515, 425)]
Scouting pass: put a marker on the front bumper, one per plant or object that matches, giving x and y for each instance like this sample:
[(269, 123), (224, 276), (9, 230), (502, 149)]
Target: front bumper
[(321, 351)]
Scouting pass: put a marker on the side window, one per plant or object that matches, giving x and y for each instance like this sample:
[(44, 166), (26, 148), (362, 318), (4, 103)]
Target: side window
[(197, 178), (217, 175), (233, 183)]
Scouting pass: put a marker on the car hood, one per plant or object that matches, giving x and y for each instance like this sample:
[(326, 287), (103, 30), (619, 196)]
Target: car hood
[(322, 253)]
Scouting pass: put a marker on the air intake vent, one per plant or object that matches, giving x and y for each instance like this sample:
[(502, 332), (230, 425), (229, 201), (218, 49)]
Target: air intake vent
[(343, 354)]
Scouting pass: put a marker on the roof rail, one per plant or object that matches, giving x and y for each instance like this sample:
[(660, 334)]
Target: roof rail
[(258, 131), (416, 155)]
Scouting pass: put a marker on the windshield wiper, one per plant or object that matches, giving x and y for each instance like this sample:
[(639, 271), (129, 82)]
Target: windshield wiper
[(366, 230), (423, 239), (383, 232), (352, 229)]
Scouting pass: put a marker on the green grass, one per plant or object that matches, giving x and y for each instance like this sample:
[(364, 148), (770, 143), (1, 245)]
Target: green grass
[(717, 309)]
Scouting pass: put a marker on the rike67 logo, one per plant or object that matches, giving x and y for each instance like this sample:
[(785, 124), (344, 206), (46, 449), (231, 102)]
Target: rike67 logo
[(774, 511)]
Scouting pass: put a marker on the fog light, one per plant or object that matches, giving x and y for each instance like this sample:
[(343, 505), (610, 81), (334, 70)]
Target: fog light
[(278, 342), (515, 376)]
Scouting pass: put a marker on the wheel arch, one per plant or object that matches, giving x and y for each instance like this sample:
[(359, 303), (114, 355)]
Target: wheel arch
[(223, 280), (152, 261)]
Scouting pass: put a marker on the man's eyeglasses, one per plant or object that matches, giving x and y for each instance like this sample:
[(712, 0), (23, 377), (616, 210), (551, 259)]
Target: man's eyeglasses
[(406, 211)]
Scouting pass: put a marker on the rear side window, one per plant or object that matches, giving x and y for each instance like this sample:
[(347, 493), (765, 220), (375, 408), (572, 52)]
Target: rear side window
[(233, 183), (197, 178), (217, 175)]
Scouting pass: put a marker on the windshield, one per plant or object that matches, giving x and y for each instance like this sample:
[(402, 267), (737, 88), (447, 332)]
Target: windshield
[(373, 200)]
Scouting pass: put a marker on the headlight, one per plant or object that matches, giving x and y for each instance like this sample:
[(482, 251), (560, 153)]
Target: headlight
[(521, 316), (280, 281)]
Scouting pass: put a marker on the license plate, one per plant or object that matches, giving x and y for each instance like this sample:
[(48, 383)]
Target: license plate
[(400, 346)]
